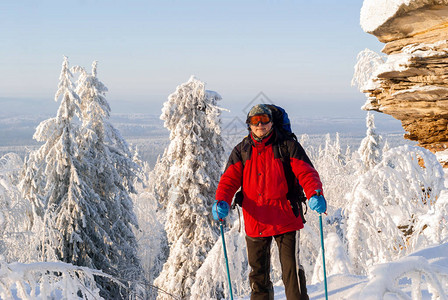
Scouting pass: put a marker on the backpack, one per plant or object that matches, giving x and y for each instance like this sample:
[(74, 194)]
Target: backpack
[(281, 121), (295, 193)]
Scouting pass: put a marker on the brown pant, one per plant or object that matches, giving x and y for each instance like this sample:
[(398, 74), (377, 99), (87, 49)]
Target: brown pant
[(259, 256)]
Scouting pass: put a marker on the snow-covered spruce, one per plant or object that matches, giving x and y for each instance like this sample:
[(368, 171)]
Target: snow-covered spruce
[(371, 146), (50, 180), (195, 157), (160, 186), (111, 172), (79, 183)]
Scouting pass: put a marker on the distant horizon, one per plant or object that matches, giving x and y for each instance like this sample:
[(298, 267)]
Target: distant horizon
[(335, 107), (139, 121), (342, 116)]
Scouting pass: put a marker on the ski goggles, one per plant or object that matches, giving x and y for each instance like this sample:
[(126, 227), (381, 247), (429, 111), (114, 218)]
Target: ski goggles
[(255, 120)]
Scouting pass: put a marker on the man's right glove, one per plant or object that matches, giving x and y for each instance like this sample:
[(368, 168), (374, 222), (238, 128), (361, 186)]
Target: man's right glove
[(220, 210), (318, 203)]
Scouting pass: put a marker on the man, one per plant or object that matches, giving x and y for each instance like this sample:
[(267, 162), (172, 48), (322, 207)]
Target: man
[(266, 209)]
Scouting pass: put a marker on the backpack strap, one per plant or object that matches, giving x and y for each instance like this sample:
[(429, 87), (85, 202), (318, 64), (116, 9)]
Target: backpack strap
[(295, 194), (246, 150), (246, 153)]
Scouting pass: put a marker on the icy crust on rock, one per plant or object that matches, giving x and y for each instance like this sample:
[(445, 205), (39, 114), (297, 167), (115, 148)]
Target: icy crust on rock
[(375, 13), (402, 61), (371, 65), (371, 68)]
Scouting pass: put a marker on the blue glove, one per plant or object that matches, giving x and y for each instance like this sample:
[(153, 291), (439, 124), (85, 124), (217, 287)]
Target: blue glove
[(318, 203), (220, 210)]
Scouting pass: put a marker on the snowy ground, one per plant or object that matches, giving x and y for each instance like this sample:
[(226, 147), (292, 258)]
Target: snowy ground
[(346, 286)]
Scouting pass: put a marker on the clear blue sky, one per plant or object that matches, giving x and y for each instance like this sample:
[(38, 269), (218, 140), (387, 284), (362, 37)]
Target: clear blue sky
[(296, 52)]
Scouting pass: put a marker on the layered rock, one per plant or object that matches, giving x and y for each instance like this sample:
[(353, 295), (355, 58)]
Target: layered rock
[(412, 83)]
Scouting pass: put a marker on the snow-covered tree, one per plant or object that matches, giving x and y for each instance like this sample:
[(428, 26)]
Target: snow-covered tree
[(365, 75), (335, 253), (367, 63), (152, 241), (142, 175), (386, 147), (160, 185), (391, 209), (79, 182), (370, 148), (107, 164), (195, 155), (152, 244), (335, 169), (211, 279), (49, 280), (150, 207), (51, 176), (15, 212)]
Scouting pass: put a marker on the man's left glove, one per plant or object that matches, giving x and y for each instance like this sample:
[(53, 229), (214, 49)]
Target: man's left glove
[(220, 210), (318, 203)]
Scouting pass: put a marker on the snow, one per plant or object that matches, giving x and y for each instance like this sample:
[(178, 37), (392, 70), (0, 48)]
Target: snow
[(399, 62), (442, 155), (367, 63), (49, 280), (430, 265), (340, 263), (375, 13), (425, 88), (384, 279)]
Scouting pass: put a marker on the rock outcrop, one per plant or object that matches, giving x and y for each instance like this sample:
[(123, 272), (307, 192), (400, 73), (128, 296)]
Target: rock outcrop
[(412, 83)]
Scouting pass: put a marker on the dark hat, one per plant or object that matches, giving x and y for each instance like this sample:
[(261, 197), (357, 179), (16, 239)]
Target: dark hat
[(259, 109)]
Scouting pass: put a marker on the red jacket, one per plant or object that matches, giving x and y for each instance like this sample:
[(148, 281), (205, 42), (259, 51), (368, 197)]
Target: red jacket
[(266, 210)]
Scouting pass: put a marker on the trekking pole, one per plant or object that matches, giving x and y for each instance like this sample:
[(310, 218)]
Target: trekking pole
[(323, 255), (227, 261)]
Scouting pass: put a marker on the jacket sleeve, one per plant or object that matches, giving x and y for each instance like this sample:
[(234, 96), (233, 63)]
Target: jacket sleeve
[(303, 169), (232, 177)]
